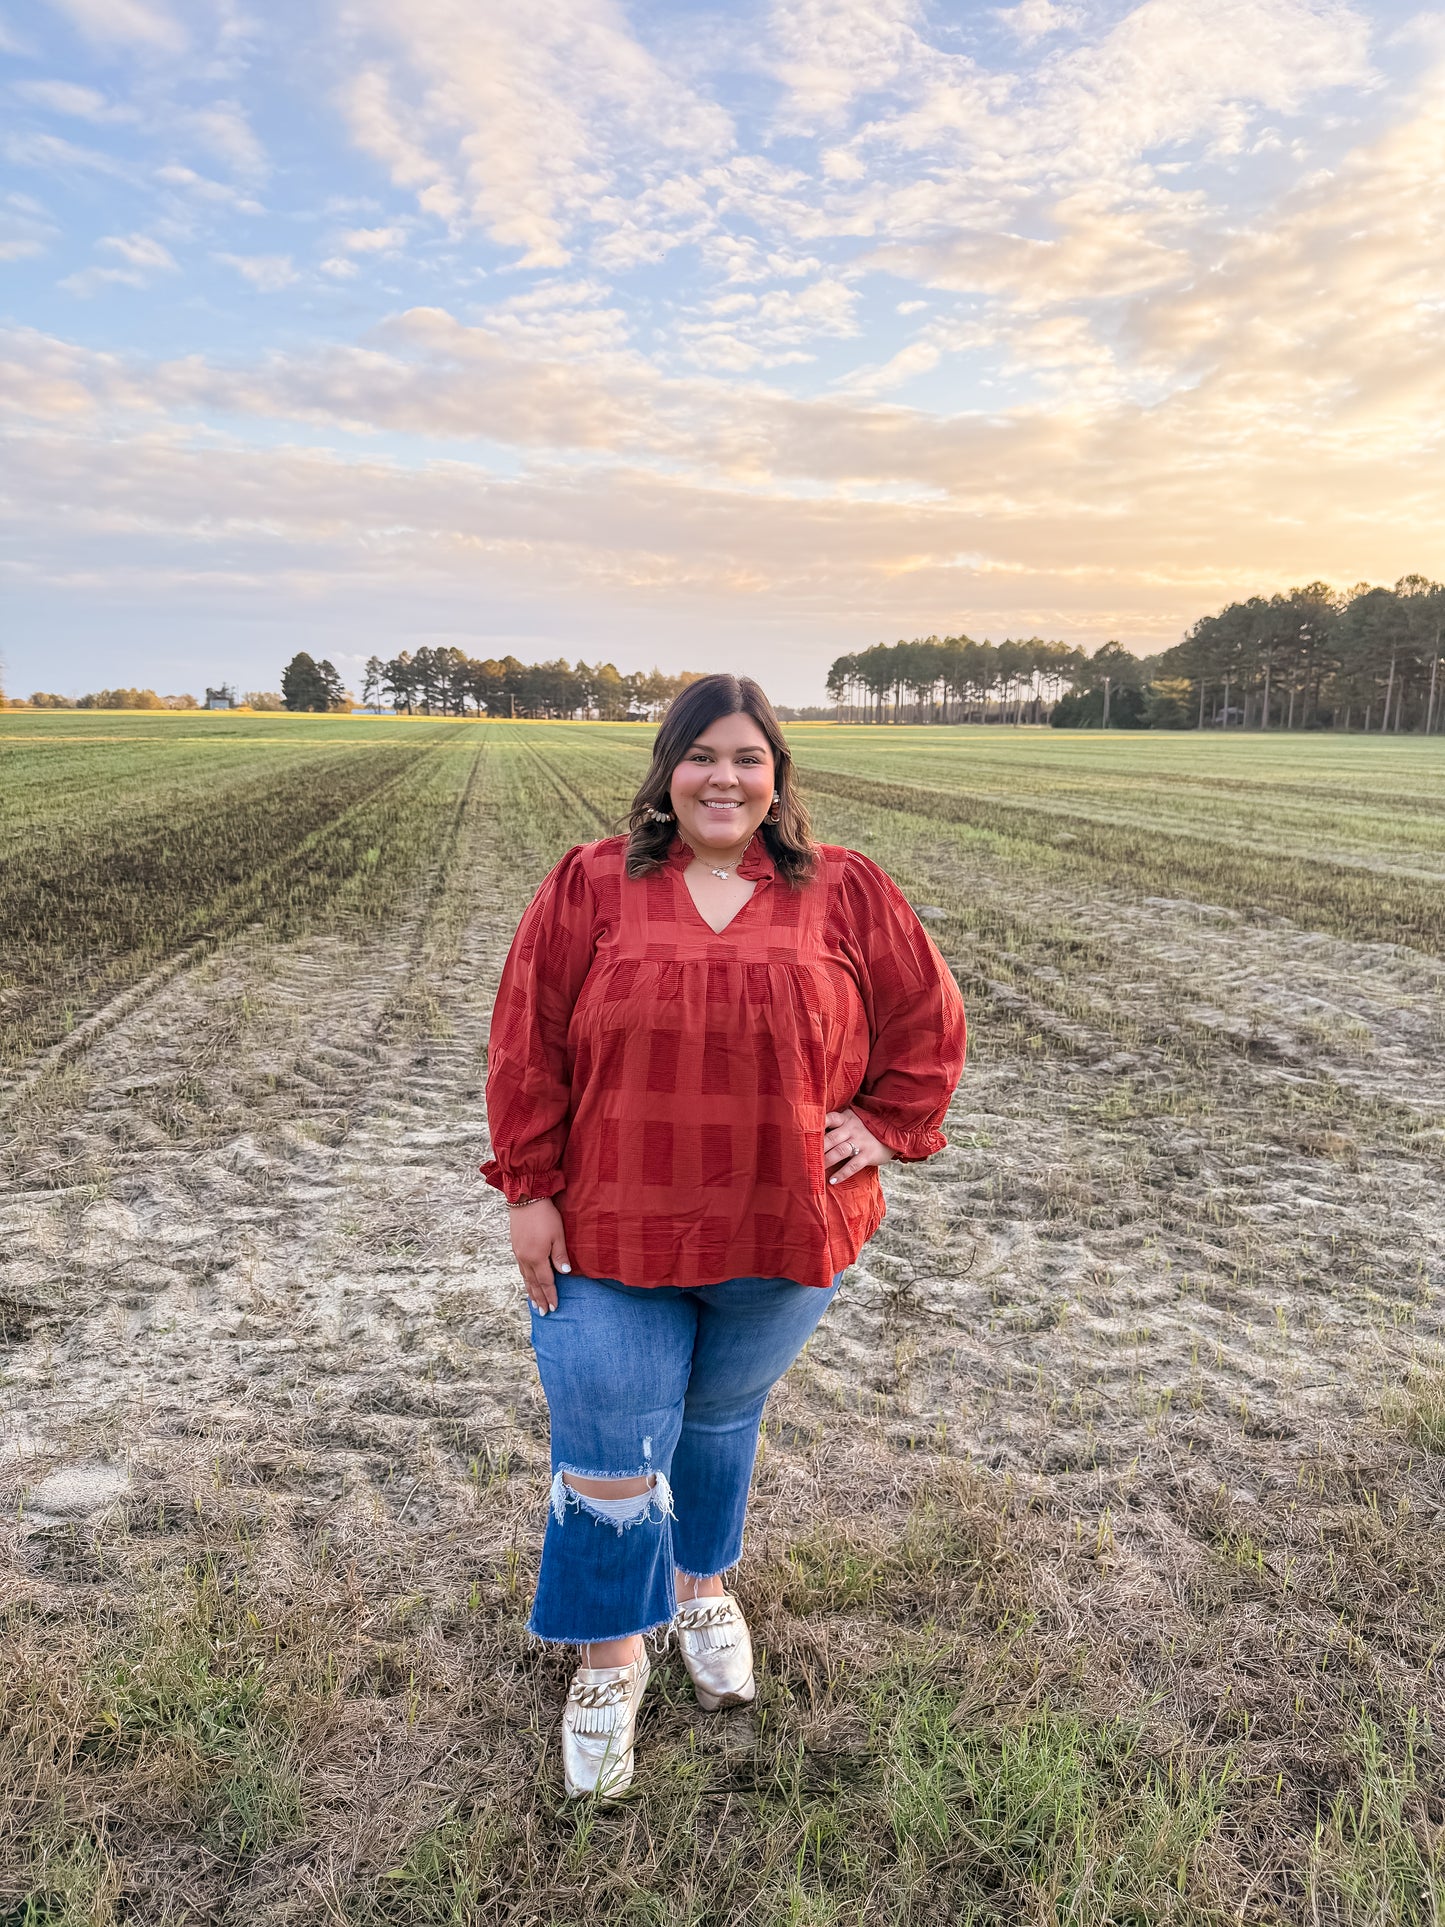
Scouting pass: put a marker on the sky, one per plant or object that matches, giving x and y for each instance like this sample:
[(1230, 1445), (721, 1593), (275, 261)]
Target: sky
[(703, 337)]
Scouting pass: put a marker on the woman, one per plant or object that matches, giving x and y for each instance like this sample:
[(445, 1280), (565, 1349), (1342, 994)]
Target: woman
[(710, 1033)]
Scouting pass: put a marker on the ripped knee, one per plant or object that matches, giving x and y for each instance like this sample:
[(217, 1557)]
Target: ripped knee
[(621, 1499)]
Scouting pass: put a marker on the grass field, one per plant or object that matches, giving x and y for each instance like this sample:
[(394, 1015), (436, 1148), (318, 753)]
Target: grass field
[(1098, 1555)]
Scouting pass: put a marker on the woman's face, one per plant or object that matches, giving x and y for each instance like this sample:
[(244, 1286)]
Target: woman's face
[(723, 787)]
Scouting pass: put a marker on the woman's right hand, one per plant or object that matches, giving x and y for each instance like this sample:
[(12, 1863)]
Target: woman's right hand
[(539, 1245)]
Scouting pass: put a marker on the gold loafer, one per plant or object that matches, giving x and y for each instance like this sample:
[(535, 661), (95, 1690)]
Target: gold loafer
[(717, 1651), (599, 1727)]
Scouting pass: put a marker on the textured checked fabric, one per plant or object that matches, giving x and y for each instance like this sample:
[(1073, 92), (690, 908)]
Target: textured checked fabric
[(672, 1081)]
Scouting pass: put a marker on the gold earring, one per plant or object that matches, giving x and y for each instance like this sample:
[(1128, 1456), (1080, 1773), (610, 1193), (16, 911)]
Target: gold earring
[(775, 812), (657, 816)]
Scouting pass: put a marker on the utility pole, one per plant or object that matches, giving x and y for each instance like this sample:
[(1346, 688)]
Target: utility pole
[(1107, 681)]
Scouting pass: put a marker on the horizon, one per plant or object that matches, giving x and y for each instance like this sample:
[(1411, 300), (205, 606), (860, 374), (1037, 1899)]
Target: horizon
[(666, 335)]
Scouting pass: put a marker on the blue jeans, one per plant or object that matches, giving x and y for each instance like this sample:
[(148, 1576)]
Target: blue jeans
[(668, 1380)]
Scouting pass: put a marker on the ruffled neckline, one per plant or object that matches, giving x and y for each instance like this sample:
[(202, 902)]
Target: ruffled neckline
[(755, 863)]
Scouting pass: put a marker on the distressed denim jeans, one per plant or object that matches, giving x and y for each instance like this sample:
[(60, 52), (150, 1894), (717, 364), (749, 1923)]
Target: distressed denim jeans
[(667, 1380)]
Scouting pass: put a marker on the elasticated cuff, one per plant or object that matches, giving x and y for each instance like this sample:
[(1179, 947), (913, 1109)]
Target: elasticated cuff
[(910, 1146), (522, 1184)]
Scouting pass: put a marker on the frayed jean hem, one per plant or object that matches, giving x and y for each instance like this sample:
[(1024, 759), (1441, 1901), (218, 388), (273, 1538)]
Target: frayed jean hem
[(719, 1572), (596, 1639)]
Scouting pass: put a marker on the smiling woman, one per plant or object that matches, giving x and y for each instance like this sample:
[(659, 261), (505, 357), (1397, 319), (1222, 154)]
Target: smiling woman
[(709, 1035)]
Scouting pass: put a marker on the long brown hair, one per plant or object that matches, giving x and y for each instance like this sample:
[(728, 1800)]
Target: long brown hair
[(789, 841)]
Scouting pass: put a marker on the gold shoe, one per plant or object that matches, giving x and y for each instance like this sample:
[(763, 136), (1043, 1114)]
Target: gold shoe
[(717, 1651), (599, 1725)]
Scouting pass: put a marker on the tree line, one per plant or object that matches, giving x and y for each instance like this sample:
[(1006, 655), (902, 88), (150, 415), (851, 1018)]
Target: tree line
[(953, 679), (1364, 658), (448, 682), (112, 699)]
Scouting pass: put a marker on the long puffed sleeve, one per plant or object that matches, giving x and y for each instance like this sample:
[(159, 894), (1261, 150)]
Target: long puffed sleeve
[(915, 1013), (529, 1089)]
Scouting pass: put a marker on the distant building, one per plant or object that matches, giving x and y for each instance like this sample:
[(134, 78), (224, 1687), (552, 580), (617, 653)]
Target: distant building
[(222, 698)]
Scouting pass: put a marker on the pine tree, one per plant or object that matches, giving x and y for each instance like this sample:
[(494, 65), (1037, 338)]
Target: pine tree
[(305, 684)]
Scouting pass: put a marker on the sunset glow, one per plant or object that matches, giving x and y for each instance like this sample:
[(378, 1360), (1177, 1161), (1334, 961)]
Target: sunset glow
[(735, 337)]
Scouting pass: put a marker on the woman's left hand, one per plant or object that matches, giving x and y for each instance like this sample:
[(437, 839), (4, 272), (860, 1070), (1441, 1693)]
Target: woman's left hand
[(850, 1146)]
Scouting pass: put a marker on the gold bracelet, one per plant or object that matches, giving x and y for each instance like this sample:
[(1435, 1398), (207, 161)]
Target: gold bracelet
[(515, 1204)]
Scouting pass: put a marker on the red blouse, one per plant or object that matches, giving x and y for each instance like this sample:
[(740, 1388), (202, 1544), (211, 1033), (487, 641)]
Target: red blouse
[(671, 1080)]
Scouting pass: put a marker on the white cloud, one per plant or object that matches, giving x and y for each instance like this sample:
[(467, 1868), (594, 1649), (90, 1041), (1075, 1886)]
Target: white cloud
[(377, 126), (373, 240), (89, 281), (131, 23), (224, 129), (521, 121), (53, 155), (26, 229), (741, 331), (828, 53), (186, 178), (141, 255), (1032, 20), (67, 97), (339, 268), (266, 272), (141, 251)]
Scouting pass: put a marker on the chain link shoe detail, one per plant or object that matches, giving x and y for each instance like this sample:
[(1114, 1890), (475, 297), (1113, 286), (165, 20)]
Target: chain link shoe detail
[(599, 1727), (717, 1651)]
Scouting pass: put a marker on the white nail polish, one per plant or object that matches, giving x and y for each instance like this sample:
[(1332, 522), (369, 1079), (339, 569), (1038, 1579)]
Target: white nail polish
[(564, 1267)]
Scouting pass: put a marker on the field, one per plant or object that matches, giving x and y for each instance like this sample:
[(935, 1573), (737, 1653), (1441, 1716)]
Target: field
[(1098, 1555)]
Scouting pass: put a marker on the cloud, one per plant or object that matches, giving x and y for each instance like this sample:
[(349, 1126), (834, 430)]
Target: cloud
[(141, 251), (224, 129), (1032, 20), (377, 127), (1164, 292), (25, 228), (521, 122), (266, 272), (141, 255), (742, 330), (1086, 248), (1268, 414), (373, 240), (130, 23), (829, 53), (188, 180), (53, 155), (67, 97)]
